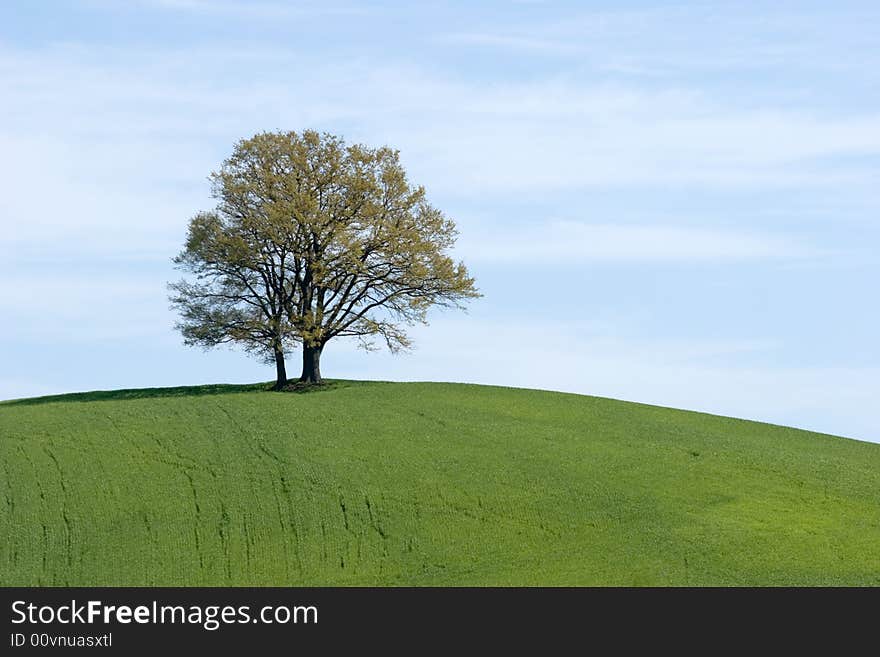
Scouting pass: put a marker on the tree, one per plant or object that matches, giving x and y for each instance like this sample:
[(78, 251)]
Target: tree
[(313, 239)]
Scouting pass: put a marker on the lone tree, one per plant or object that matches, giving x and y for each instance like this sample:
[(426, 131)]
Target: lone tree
[(313, 239)]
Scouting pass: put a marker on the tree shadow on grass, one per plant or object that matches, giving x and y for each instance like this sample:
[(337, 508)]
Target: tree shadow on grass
[(180, 391)]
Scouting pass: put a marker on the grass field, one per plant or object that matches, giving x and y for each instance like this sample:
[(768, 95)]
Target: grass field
[(423, 484)]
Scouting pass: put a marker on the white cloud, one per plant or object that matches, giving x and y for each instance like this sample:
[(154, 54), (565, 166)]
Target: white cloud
[(241, 10), (73, 307), (687, 39), (148, 116), (569, 242), (512, 41)]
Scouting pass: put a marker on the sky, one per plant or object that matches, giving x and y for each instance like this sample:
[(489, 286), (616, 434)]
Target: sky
[(671, 203)]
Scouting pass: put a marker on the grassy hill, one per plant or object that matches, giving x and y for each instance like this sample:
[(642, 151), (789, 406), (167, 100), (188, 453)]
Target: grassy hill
[(423, 484)]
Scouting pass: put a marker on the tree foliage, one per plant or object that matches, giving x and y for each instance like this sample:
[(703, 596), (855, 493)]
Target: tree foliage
[(313, 239)]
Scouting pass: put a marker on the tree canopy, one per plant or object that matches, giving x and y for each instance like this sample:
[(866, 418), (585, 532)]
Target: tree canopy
[(313, 239)]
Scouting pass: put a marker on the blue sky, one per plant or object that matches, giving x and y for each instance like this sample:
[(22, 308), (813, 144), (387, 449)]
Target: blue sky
[(668, 203)]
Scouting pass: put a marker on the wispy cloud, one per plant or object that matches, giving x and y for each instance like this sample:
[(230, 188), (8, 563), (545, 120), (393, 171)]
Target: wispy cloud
[(680, 39), (569, 242), (76, 308), (556, 132), (126, 138), (260, 10), (511, 41)]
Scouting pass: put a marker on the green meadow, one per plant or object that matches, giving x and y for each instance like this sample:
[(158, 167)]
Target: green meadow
[(363, 483)]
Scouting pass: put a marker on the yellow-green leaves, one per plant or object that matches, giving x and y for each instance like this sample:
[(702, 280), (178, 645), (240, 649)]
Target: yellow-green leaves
[(312, 239)]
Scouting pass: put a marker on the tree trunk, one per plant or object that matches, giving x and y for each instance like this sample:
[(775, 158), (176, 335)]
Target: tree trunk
[(311, 365), (280, 370)]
